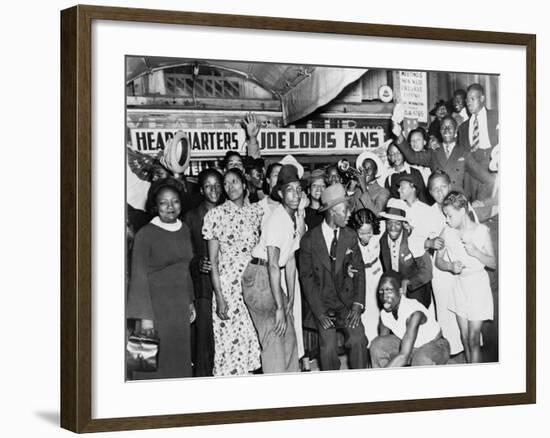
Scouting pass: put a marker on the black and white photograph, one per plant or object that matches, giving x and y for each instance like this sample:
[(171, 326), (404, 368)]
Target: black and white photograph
[(285, 218)]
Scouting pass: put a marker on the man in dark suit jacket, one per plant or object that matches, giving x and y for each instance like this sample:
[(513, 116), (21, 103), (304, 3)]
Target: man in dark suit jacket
[(452, 157), (333, 282), (395, 255), (479, 136)]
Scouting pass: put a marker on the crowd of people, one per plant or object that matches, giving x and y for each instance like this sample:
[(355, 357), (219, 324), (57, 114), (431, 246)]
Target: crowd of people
[(393, 265)]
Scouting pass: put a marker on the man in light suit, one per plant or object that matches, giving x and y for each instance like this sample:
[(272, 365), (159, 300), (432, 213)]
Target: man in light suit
[(451, 157), (479, 136), (333, 282)]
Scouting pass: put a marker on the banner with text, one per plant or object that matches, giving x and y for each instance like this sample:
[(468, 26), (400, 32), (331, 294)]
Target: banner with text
[(207, 143)]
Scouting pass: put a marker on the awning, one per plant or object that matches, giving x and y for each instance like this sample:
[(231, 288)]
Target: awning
[(300, 88)]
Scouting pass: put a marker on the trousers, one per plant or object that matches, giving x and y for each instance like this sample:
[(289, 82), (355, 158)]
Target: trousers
[(279, 354), (384, 348), (355, 342)]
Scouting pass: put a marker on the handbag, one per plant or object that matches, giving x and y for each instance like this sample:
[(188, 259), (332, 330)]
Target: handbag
[(142, 352)]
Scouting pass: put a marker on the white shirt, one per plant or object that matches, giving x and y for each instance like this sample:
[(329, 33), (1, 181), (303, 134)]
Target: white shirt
[(448, 148), (461, 117), (406, 168), (427, 332), (484, 141), (278, 231), (328, 234), (425, 223), (395, 247)]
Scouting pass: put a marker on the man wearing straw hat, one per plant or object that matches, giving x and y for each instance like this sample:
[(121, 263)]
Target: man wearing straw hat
[(333, 281), (396, 255)]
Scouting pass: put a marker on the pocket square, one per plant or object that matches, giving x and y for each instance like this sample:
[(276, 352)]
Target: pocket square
[(408, 256), (460, 159)]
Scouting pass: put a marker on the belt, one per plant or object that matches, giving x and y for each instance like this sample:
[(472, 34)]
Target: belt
[(257, 261)]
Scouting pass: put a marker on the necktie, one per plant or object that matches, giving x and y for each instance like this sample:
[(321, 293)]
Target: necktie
[(333, 252), (446, 146), (475, 134)]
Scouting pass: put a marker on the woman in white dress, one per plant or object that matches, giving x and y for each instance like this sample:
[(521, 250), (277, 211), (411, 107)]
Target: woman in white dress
[(367, 226), (468, 250)]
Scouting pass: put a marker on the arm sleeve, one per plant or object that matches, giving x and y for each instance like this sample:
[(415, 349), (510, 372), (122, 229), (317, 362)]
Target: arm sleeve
[(424, 158), (307, 277), (139, 305)]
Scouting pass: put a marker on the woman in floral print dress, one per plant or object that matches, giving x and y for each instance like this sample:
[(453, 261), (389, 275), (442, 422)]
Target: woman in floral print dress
[(232, 231)]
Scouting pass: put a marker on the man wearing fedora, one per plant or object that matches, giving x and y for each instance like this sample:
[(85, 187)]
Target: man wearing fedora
[(396, 255), (270, 308), (333, 281)]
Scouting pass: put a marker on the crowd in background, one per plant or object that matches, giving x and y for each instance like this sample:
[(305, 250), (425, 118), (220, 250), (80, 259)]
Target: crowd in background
[(268, 268)]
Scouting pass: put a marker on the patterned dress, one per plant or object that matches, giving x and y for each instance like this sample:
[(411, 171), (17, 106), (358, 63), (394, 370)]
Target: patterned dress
[(237, 350)]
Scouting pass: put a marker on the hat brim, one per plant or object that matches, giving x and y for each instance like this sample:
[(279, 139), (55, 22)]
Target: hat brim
[(335, 202), (394, 216), (367, 155), (303, 182)]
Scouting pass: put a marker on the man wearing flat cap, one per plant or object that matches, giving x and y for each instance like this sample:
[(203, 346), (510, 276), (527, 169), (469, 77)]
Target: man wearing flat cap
[(271, 309), (333, 281)]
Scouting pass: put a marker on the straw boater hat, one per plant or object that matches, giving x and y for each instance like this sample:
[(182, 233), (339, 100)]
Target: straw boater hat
[(370, 156), (287, 174), (333, 195), (176, 154), (289, 159), (395, 209)]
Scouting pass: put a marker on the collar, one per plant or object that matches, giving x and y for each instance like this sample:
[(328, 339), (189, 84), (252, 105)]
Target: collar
[(397, 242), (482, 113), (406, 168), (168, 227), (326, 228)]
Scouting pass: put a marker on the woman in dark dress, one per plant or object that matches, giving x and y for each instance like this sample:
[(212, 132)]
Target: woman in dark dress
[(161, 295)]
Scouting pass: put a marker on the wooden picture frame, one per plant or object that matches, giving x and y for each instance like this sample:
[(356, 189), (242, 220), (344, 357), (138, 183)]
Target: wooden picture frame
[(76, 217)]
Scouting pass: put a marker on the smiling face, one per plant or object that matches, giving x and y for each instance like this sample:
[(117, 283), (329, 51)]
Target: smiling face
[(233, 161), (233, 186), (365, 234), (417, 141), (317, 188), (168, 205), (458, 102), (441, 111), (212, 189), (394, 228), (448, 130), (439, 188), (333, 176), (395, 157), (475, 101), (407, 191), (389, 294)]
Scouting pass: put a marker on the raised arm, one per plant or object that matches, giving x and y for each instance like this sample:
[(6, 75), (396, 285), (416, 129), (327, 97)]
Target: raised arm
[(252, 128), (423, 158), (407, 343)]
